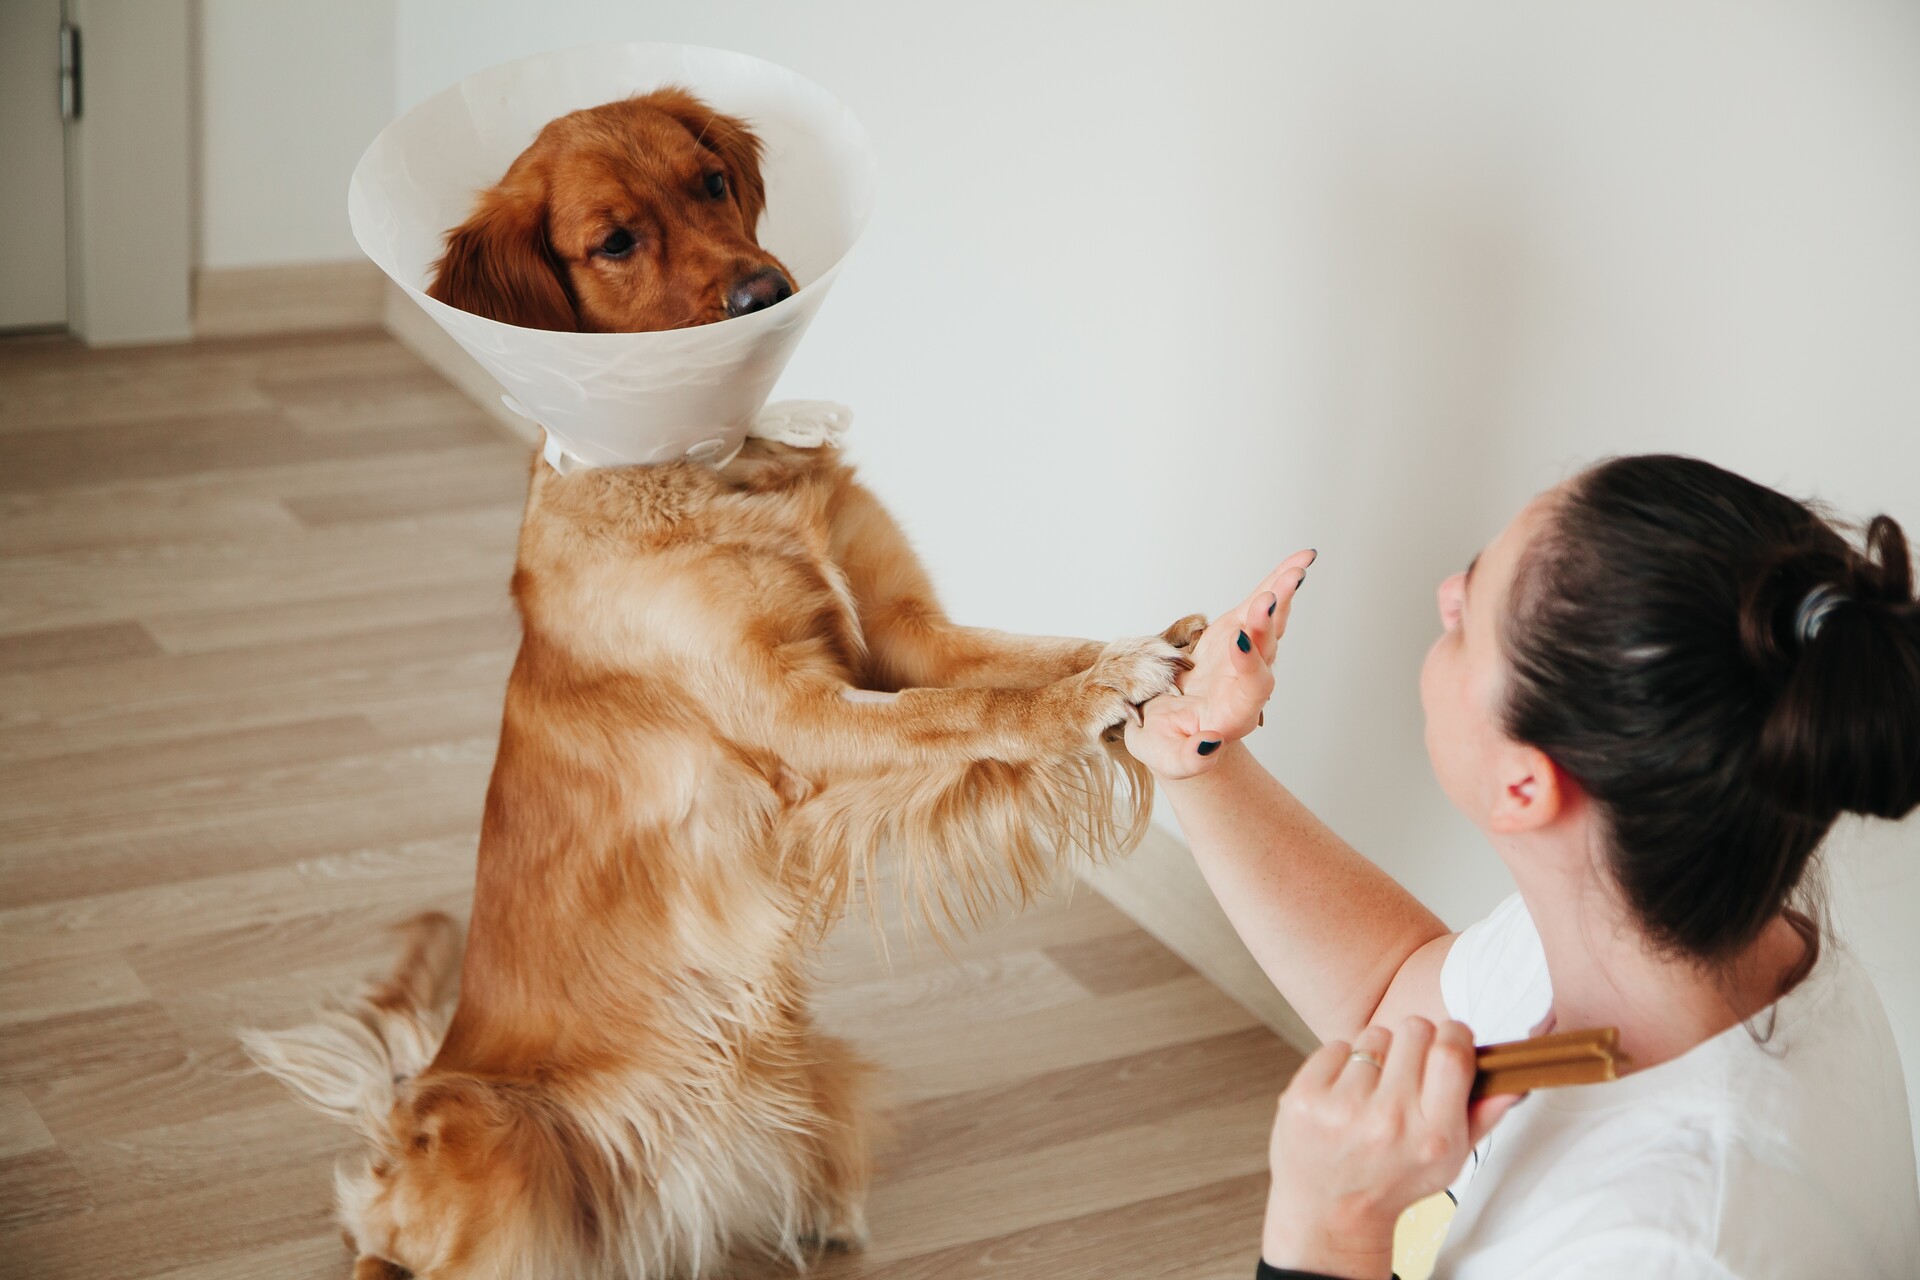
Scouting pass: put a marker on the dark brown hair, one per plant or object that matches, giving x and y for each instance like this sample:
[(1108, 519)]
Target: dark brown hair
[(1724, 674)]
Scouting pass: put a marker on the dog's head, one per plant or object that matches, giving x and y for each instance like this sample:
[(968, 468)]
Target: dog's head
[(633, 216)]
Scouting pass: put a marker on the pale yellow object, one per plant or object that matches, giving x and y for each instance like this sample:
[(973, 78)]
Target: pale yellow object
[(1418, 1235)]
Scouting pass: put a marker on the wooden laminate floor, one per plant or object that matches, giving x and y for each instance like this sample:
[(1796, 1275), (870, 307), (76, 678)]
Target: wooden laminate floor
[(253, 638)]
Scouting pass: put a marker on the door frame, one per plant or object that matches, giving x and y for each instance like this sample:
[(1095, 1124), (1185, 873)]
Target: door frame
[(130, 173)]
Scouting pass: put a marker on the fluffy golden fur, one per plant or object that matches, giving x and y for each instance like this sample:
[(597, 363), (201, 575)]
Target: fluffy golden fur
[(685, 796)]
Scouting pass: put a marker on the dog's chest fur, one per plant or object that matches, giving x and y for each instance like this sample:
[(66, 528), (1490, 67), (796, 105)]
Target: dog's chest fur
[(630, 567)]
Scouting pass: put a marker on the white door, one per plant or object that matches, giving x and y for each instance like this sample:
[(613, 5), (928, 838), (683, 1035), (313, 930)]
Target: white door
[(33, 191)]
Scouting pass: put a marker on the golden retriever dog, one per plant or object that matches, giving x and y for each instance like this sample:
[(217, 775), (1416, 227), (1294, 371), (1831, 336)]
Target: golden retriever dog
[(735, 692)]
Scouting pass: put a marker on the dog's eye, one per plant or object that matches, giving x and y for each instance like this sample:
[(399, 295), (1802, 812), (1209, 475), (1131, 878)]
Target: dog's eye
[(716, 185), (617, 245)]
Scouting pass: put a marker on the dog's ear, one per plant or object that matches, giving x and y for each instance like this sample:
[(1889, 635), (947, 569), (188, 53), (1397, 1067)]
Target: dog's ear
[(730, 140), (498, 264)]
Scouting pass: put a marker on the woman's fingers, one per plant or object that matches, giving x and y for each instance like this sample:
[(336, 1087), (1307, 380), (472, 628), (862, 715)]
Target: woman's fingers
[(1230, 709), (1299, 560), (1366, 1061), (1407, 1060), (1262, 617), (1290, 568), (1322, 1067), (1257, 621), (1266, 634), (1486, 1113), (1384, 1121), (1222, 698), (1284, 591), (1169, 739), (1291, 577), (1448, 1080)]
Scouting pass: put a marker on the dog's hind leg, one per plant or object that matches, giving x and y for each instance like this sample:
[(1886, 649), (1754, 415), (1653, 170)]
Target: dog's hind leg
[(843, 1097)]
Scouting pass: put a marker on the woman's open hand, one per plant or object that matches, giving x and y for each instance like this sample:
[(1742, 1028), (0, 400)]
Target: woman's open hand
[(1363, 1131), (1220, 700)]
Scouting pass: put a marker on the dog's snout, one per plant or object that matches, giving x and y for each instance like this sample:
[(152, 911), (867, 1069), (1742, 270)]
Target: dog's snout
[(758, 291)]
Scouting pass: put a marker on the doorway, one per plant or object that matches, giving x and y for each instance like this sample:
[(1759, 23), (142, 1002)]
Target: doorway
[(33, 199)]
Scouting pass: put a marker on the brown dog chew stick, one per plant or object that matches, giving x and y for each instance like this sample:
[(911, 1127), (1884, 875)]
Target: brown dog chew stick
[(1548, 1062)]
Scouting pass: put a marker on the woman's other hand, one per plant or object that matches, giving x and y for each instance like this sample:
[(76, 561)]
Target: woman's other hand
[(1354, 1144), (1220, 700)]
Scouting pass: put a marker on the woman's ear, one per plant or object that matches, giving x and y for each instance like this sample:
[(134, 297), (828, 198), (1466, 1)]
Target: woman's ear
[(1532, 790), (498, 265), (731, 141)]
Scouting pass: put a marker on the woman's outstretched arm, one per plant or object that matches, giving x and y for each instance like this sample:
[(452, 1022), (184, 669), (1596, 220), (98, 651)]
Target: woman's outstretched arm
[(1332, 931), (1340, 938)]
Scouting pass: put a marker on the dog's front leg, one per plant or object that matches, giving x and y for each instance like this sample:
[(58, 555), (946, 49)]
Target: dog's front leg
[(826, 730), (977, 795)]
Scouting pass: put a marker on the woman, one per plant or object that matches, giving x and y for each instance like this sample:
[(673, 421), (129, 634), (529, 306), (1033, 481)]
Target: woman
[(1655, 692)]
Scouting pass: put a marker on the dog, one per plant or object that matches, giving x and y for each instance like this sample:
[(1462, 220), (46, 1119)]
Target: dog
[(735, 692)]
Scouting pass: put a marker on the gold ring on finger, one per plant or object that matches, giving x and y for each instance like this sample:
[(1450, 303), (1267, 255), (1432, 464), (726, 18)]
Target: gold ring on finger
[(1372, 1060)]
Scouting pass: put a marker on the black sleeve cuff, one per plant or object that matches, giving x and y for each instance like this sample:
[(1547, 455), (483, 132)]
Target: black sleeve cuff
[(1267, 1271)]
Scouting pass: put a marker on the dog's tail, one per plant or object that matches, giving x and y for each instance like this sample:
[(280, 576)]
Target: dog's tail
[(348, 1063)]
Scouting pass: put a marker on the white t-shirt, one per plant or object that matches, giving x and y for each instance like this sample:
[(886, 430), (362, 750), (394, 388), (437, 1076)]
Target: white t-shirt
[(1789, 1159)]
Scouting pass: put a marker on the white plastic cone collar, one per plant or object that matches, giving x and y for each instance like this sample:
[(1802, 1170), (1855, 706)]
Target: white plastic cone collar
[(614, 399)]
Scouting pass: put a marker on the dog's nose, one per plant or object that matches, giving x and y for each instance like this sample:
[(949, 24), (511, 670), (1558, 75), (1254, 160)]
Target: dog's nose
[(758, 291)]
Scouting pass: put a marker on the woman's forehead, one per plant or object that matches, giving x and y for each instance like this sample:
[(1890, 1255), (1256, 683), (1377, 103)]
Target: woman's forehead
[(1494, 568)]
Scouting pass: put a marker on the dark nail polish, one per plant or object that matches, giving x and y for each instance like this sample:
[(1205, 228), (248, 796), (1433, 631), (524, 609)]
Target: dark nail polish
[(1316, 554), (1272, 607), (1208, 748), (1246, 645), (1300, 584)]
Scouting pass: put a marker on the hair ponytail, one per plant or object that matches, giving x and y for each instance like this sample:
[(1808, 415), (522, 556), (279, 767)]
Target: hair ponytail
[(1843, 735)]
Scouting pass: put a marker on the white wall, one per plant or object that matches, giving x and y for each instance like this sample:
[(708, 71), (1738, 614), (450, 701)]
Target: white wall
[(1155, 296), (290, 93)]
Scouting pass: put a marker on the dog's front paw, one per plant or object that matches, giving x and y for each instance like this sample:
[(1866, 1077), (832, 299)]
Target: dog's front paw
[(1185, 633), (1126, 674)]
